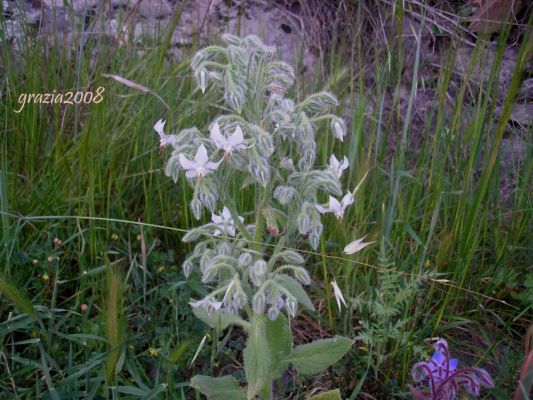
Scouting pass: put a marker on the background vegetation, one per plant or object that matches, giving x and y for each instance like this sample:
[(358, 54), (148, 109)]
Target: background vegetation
[(94, 303)]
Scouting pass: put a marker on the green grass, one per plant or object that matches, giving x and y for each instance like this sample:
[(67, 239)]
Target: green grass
[(451, 257)]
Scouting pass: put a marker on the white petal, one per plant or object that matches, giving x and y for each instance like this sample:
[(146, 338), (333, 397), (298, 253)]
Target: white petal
[(338, 294), (169, 139), (345, 164), (333, 162), (217, 138), (334, 204), (226, 214), (217, 219), (191, 173), (356, 246), (215, 304), (185, 162), (322, 210), (347, 200), (196, 304), (159, 126), (201, 156), (237, 138), (211, 166)]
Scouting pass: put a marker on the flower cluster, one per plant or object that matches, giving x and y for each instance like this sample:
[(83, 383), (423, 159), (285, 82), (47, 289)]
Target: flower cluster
[(444, 379), (267, 140)]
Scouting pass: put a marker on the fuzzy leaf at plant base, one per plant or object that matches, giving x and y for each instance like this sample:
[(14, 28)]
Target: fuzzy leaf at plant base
[(267, 141)]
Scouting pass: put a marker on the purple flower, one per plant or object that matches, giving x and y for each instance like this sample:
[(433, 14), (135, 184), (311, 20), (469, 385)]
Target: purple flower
[(444, 379)]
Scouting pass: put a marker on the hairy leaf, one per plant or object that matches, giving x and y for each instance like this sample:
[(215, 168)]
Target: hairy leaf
[(219, 319), (279, 338), (314, 357), (257, 357), (224, 388), (295, 288), (329, 395)]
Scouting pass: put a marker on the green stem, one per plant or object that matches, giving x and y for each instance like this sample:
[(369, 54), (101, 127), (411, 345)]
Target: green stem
[(259, 220)]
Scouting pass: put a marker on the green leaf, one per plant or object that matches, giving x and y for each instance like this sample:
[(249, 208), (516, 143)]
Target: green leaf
[(295, 288), (16, 296), (220, 319), (224, 388), (329, 395), (257, 357), (315, 357), (279, 337)]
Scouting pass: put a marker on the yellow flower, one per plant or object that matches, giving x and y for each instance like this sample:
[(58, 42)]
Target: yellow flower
[(114, 236), (139, 237), (160, 269), (152, 352), (45, 277)]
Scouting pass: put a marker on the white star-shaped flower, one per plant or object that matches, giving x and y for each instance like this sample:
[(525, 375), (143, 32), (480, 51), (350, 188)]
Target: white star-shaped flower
[(164, 139), (335, 206), (338, 294), (228, 144), (336, 166), (208, 303), (225, 222), (201, 165), (356, 246)]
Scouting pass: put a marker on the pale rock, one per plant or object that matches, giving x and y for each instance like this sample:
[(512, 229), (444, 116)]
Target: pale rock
[(526, 90), (82, 5), (53, 3), (154, 9), (522, 114)]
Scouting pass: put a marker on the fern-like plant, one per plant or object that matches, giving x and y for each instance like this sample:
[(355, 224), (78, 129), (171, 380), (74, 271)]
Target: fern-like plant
[(267, 140)]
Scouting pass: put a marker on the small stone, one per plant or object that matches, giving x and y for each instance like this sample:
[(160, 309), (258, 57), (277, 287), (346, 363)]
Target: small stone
[(82, 5), (154, 9), (121, 3), (522, 114), (526, 90), (53, 3)]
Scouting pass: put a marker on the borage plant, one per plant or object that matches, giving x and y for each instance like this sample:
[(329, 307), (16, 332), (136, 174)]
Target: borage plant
[(266, 140), (444, 380)]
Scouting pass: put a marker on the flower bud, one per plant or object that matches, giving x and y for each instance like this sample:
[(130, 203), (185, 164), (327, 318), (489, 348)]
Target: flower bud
[(224, 249), (273, 313), (187, 267), (284, 194), (196, 208), (302, 275), (260, 267), (292, 257), (286, 163), (264, 143), (304, 220), (210, 274), (291, 305), (258, 303), (245, 259)]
